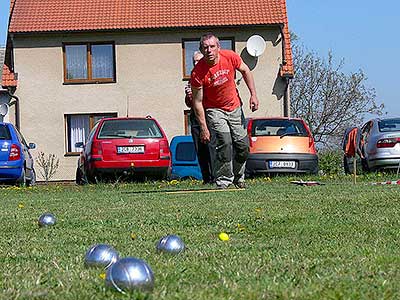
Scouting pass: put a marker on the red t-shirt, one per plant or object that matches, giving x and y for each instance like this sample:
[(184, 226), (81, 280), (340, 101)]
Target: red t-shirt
[(218, 81)]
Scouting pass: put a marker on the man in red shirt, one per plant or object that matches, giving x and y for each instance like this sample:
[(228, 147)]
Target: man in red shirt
[(216, 103)]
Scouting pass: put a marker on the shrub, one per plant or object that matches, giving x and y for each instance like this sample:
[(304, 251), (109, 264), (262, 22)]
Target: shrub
[(331, 162), (48, 165)]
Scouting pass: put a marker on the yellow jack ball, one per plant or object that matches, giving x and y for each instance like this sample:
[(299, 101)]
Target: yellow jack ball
[(223, 236)]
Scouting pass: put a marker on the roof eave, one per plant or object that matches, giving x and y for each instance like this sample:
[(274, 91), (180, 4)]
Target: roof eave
[(200, 27)]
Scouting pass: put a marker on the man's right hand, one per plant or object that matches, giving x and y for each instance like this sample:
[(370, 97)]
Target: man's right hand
[(188, 96), (204, 135), (188, 90)]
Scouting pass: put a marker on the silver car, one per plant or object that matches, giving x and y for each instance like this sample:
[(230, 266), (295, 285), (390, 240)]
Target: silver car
[(380, 144)]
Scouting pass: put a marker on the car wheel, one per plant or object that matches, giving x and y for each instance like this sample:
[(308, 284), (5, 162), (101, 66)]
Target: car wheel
[(169, 174), (91, 179), (248, 174), (164, 175), (79, 177), (22, 179), (315, 171), (32, 180), (364, 165)]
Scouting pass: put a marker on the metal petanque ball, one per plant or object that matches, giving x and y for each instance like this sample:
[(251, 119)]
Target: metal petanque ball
[(130, 274), (101, 255), (170, 244), (46, 219)]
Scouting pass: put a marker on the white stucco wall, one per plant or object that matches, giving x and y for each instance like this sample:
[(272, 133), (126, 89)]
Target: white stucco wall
[(148, 77)]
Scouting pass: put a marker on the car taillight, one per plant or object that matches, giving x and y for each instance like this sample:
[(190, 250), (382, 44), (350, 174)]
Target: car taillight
[(249, 125), (387, 143), (15, 153), (97, 148), (311, 144), (164, 150)]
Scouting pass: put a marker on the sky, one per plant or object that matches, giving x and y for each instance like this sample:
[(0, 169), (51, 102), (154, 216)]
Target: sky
[(365, 33), (362, 32)]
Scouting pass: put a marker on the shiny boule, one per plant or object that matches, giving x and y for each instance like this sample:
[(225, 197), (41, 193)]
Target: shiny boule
[(130, 274), (46, 219), (170, 244), (101, 255)]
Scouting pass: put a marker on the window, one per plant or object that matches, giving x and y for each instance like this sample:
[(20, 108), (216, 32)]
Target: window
[(191, 45), (89, 63), (4, 132), (185, 152), (116, 129), (78, 128), (278, 128), (389, 125)]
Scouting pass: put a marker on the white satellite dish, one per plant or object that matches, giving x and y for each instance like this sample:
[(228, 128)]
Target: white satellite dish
[(3, 109), (255, 45)]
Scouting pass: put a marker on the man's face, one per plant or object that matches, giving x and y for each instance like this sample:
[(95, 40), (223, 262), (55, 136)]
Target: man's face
[(210, 49)]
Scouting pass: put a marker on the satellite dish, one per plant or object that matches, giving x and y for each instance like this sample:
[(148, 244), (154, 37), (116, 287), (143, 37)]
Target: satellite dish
[(3, 109), (255, 45)]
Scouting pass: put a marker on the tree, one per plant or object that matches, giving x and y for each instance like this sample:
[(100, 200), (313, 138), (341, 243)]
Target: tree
[(328, 99)]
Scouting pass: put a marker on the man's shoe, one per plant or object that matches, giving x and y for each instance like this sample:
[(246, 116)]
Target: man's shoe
[(221, 186), (240, 185)]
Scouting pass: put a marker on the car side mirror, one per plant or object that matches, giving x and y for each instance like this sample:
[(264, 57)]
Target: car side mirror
[(32, 146), (79, 145)]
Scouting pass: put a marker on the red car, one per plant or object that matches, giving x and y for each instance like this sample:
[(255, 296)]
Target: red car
[(280, 145), (122, 147)]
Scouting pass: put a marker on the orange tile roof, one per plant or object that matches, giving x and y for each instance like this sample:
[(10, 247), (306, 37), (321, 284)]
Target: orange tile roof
[(287, 69), (8, 78), (83, 15)]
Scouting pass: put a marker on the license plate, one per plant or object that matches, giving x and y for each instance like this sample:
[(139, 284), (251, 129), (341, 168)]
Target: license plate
[(130, 149), (281, 164)]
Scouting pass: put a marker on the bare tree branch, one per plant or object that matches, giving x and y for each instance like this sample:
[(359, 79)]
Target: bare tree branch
[(328, 99)]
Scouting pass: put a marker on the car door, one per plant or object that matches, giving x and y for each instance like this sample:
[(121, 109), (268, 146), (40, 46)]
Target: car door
[(25, 149), (365, 143), (5, 141), (86, 151)]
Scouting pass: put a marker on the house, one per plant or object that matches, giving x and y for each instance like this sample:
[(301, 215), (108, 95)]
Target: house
[(70, 63)]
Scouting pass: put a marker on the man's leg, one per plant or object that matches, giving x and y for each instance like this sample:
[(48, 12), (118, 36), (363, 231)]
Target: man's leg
[(221, 145), (240, 143), (203, 153)]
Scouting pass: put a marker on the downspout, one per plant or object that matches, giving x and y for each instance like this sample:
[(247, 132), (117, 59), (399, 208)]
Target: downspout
[(283, 44), (286, 98), (286, 95), (16, 103)]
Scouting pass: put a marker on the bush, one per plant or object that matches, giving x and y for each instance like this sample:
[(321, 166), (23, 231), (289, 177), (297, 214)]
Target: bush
[(48, 165), (331, 162)]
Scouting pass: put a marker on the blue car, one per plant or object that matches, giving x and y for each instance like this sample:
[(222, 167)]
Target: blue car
[(16, 163), (184, 162)]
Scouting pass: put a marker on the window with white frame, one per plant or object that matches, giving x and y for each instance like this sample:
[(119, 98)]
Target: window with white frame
[(78, 127)]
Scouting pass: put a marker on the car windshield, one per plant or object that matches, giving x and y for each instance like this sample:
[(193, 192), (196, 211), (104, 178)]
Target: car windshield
[(134, 128), (278, 128), (389, 125), (4, 133)]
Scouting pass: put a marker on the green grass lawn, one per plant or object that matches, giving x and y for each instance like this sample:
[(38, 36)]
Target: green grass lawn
[(334, 241)]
